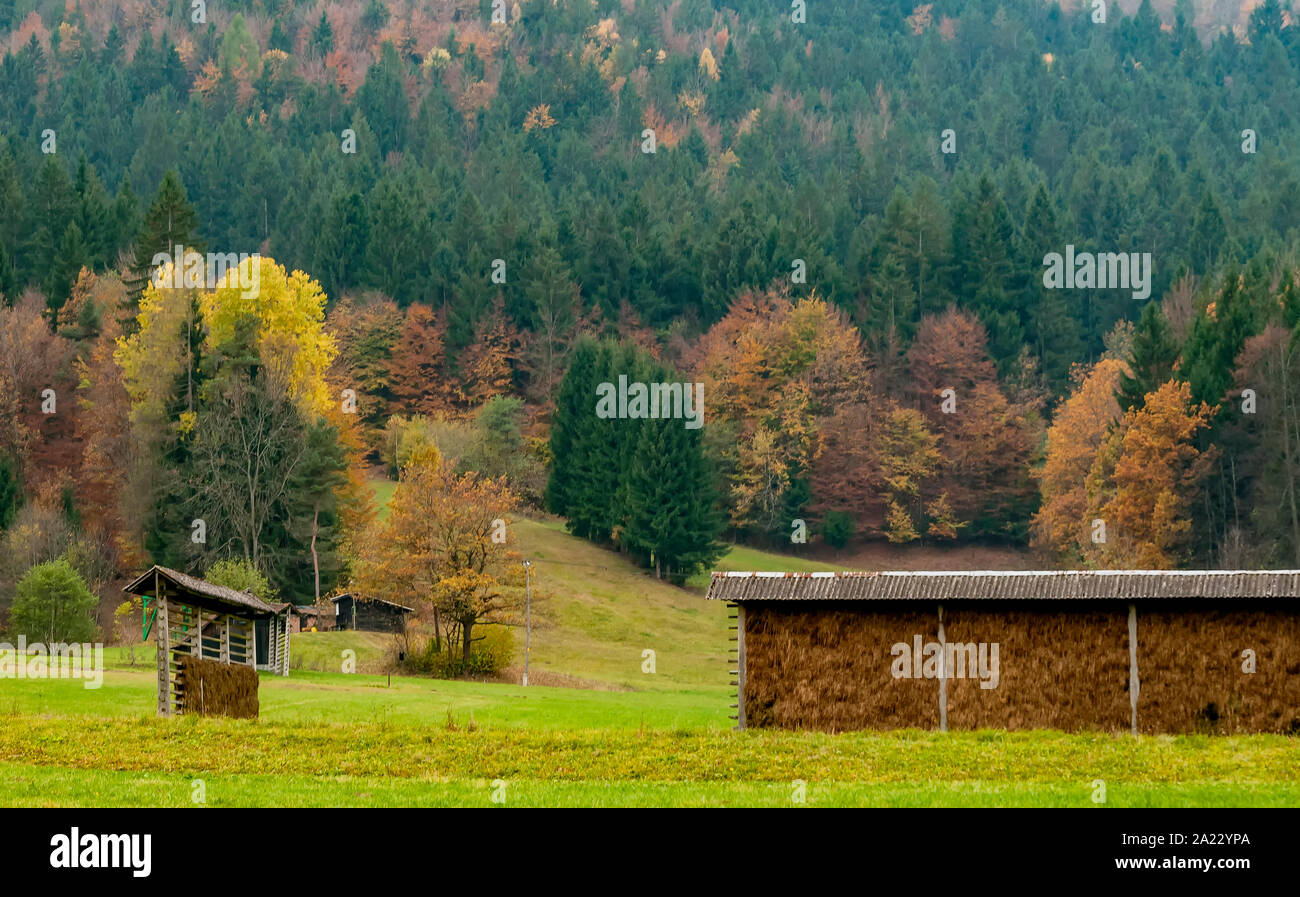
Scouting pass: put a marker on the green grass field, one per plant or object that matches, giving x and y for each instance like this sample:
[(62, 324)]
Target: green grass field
[(631, 738), (329, 740)]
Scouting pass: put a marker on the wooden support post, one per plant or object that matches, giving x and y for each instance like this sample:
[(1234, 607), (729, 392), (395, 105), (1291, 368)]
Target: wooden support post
[(163, 641), (284, 662), (1134, 683), (943, 677), (740, 666)]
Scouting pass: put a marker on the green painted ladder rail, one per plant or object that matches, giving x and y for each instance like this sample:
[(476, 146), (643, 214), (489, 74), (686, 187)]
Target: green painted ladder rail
[(146, 618)]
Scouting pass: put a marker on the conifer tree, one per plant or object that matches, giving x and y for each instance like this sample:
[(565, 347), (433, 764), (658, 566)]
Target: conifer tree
[(672, 520), (1154, 355), (575, 402), (170, 221)]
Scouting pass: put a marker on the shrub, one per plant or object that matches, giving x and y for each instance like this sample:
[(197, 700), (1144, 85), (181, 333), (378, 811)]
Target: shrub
[(52, 604), (488, 656), (837, 528)]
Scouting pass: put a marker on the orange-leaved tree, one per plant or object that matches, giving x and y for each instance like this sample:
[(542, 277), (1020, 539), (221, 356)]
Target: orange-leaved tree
[(1157, 471), (775, 371), (986, 441), (417, 378), (446, 541), (1078, 430)]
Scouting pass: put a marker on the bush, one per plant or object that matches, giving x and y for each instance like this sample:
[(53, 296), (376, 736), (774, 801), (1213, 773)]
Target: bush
[(52, 604), (242, 576), (837, 528), (489, 655)]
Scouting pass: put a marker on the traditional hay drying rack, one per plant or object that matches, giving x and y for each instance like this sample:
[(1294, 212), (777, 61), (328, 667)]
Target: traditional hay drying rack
[(198, 619), (1150, 651)]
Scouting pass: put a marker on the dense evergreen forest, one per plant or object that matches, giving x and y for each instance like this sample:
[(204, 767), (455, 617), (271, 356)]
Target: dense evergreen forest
[(836, 215)]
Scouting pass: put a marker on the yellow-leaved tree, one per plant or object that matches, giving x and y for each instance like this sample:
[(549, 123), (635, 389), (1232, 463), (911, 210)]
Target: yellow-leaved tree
[(154, 357), (290, 312)]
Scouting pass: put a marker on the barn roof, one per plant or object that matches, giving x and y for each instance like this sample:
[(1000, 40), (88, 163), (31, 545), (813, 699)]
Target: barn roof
[(1015, 585), (364, 600), (199, 592)]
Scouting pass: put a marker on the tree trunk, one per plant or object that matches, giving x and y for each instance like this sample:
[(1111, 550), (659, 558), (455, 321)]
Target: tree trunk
[(466, 627), (437, 633), (315, 559)]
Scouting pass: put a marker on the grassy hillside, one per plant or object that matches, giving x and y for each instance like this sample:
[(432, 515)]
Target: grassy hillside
[(595, 613)]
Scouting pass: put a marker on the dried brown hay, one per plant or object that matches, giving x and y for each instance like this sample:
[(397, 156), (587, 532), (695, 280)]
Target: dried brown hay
[(827, 667), (212, 688), (1190, 662), (1062, 668)]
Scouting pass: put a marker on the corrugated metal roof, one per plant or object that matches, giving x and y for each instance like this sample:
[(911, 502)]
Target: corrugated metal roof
[(143, 585), (1014, 585)]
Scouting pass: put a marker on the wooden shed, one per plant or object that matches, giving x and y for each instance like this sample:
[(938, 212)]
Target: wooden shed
[(353, 611), (304, 618), (1145, 651), (196, 619)]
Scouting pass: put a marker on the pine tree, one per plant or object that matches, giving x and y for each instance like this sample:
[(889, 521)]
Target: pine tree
[(54, 208), (671, 518), (1217, 338), (279, 39), (1208, 235), (72, 256), (92, 213), (1053, 329)]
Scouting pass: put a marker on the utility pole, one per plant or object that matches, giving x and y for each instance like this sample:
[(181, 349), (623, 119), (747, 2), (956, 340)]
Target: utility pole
[(528, 615)]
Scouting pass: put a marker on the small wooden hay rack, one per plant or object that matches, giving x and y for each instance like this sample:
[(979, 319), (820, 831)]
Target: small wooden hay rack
[(196, 618)]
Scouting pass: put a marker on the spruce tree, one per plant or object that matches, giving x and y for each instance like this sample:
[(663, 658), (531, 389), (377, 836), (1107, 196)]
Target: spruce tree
[(574, 406), (672, 521), (170, 221), (984, 242), (323, 37), (1154, 354)]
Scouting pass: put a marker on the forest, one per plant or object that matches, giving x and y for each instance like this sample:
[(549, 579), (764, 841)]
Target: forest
[(462, 217)]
